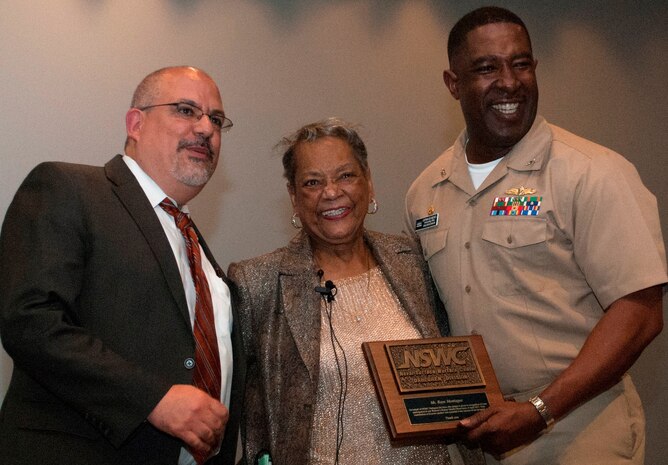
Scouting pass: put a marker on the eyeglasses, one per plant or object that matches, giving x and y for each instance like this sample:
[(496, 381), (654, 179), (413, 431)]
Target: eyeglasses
[(194, 113)]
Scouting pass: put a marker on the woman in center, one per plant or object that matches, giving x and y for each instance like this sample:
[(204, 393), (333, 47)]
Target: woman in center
[(306, 308)]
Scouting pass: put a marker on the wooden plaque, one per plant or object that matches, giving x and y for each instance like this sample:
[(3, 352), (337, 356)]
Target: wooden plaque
[(427, 385)]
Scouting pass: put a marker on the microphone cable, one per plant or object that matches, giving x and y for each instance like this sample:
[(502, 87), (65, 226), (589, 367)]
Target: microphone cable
[(342, 371)]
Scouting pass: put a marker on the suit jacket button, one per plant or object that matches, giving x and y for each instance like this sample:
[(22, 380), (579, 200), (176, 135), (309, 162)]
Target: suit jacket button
[(189, 363)]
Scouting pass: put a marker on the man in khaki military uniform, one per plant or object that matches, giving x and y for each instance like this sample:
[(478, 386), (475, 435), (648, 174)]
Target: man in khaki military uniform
[(547, 245)]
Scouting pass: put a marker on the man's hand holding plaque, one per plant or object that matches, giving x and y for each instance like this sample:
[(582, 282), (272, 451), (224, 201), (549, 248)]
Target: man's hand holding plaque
[(426, 386)]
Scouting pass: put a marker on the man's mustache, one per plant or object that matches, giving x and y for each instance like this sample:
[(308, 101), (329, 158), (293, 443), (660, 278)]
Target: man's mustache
[(200, 142)]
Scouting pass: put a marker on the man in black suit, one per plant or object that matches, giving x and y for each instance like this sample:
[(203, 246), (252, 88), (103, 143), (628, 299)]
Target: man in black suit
[(97, 299)]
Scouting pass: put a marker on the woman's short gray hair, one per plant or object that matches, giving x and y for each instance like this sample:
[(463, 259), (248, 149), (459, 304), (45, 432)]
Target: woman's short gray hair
[(330, 127)]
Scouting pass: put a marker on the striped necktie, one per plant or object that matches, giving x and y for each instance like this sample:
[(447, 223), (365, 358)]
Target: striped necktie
[(207, 358)]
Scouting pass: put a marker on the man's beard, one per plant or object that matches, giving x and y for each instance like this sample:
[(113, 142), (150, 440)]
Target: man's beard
[(193, 172)]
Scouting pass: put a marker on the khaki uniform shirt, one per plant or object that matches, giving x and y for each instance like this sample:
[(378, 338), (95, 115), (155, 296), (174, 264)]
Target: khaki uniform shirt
[(573, 230)]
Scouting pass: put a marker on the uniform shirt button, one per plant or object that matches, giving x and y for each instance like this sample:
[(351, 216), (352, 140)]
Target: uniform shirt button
[(467, 288), (467, 245), (474, 332), (189, 363), (509, 239), (473, 202)]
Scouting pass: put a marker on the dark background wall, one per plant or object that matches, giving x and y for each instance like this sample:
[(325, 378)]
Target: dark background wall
[(68, 68)]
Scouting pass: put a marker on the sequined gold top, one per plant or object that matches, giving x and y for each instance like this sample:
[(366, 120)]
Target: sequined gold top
[(365, 309)]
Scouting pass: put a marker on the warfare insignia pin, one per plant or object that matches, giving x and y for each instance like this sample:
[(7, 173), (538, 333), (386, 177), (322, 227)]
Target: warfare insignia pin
[(521, 191)]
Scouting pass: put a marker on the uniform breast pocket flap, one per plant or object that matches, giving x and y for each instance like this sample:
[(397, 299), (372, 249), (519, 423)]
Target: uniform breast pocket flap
[(513, 233)]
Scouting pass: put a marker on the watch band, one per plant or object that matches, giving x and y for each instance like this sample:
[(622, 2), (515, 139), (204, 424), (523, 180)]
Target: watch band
[(542, 410)]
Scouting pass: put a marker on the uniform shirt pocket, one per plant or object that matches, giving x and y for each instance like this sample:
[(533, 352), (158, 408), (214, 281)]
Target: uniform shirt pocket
[(433, 241), (517, 254)]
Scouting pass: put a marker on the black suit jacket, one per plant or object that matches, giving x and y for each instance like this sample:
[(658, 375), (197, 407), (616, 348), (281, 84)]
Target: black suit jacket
[(94, 316)]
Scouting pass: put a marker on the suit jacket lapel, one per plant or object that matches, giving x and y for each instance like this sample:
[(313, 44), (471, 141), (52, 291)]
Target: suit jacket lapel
[(131, 195), (209, 255), (300, 302), (399, 265)]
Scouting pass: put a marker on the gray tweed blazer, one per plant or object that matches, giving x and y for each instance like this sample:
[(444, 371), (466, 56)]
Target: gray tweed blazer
[(279, 313)]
